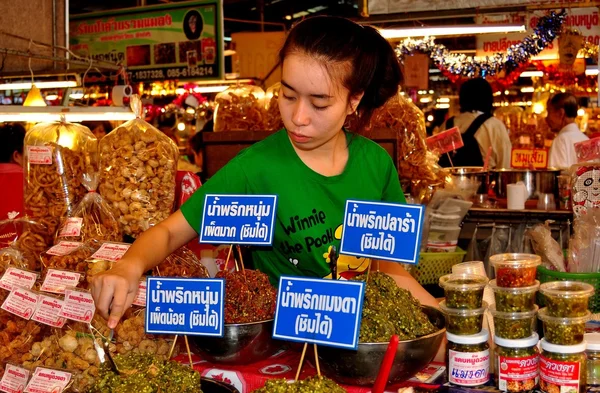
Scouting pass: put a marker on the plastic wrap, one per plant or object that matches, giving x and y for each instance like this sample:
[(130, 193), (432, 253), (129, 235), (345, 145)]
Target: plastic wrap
[(273, 121), (584, 182), (57, 156), (139, 166), (130, 337), (68, 256), (17, 336), (92, 218), (546, 247), (240, 108), (181, 263), (584, 247), (104, 259)]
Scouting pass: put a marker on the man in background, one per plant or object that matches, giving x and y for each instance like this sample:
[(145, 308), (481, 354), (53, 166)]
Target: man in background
[(562, 111), (12, 136)]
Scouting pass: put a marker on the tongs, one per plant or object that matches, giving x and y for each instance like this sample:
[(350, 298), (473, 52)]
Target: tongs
[(104, 351)]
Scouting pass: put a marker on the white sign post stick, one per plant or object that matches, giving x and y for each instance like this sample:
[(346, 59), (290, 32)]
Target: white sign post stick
[(317, 361), (187, 346), (301, 361), (173, 346)]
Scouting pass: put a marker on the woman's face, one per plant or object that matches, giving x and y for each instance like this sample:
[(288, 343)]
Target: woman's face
[(192, 23), (313, 106)]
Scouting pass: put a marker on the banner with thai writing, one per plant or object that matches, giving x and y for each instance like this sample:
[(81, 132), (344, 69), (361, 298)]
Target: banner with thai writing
[(174, 41)]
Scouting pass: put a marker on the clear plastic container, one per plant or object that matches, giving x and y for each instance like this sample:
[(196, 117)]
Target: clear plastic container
[(443, 238), (516, 364), (463, 322), (463, 291), (473, 267), (445, 220), (563, 331), (514, 325), (562, 368), (468, 359), (567, 298), (515, 270), (514, 299), (240, 108), (593, 358)]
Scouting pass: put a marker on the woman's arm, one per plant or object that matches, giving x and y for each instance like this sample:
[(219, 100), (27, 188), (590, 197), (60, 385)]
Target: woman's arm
[(115, 290)]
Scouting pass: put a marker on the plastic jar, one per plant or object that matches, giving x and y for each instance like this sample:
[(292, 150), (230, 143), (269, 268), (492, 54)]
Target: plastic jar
[(514, 325), (463, 322), (514, 299), (515, 270), (463, 291), (468, 359), (562, 367), (563, 331), (517, 364), (567, 298), (593, 358)]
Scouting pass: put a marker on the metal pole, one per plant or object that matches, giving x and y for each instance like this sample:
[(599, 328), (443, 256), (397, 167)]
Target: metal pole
[(54, 28)]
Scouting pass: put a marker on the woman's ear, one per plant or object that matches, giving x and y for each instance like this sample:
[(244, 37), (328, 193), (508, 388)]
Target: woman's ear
[(353, 102), (17, 158)]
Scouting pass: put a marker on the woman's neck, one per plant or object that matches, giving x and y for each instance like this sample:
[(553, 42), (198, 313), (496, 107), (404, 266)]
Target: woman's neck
[(328, 159)]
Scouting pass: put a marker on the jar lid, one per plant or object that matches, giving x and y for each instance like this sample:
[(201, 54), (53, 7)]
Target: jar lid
[(592, 340), (463, 282), (478, 338), (577, 348), (566, 289), (513, 315), (515, 260), (545, 317), (463, 312), (520, 343), (514, 290)]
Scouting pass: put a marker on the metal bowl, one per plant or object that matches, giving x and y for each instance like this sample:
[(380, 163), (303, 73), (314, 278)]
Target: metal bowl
[(536, 181), (242, 343), (211, 386), (361, 367)]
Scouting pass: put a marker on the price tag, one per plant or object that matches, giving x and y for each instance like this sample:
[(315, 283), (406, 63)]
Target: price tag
[(445, 141), (17, 278), (529, 158), (111, 251), (238, 219), (63, 248), (14, 379), (192, 306), (47, 380), (21, 302), (78, 306), (588, 150), (319, 311), (72, 227), (382, 230), (57, 280), (48, 311), (140, 297), (39, 155)]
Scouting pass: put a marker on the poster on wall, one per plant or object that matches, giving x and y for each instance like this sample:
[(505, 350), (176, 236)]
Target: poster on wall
[(172, 41)]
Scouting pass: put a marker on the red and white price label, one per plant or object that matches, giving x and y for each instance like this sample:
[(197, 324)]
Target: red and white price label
[(39, 155), (48, 311), (72, 227), (560, 375), (57, 280), (47, 380), (17, 278), (78, 306), (64, 248), (445, 141), (521, 371), (111, 251), (140, 297), (21, 302), (14, 379)]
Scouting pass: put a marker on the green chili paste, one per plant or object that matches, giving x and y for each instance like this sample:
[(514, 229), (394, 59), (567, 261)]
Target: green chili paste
[(312, 384)]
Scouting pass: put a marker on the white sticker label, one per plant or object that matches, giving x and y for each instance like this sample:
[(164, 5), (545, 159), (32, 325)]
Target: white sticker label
[(140, 298), (63, 248), (21, 302), (14, 379), (78, 306), (47, 380), (111, 251), (57, 280), (16, 278), (468, 368), (39, 155), (72, 227), (48, 311)]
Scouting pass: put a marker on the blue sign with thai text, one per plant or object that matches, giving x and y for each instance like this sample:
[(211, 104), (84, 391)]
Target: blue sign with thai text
[(382, 230), (319, 311), (190, 306), (238, 219)]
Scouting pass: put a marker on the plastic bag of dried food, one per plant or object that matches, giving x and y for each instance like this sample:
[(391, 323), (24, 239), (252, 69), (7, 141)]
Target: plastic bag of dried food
[(240, 108), (273, 121), (181, 263), (28, 236), (138, 166), (67, 255), (57, 156), (103, 259), (17, 336), (92, 218), (130, 336)]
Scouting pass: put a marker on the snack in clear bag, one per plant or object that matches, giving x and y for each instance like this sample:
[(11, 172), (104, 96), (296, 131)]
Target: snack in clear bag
[(182, 263), (57, 156), (91, 219), (69, 256), (108, 253), (585, 194), (26, 235), (17, 336), (273, 121), (240, 108), (138, 166), (131, 337)]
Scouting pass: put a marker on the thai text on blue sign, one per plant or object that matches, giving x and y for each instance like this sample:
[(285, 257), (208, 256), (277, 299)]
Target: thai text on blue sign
[(238, 219), (319, 311), (382, 230), (191, 306)]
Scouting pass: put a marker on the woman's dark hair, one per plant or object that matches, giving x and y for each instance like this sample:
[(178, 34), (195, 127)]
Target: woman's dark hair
[(476, 95), (566, 101), (196, 142), (11, 140), (374, 68), (193, 35)]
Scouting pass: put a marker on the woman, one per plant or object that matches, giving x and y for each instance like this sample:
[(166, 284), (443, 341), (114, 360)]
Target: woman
[(332, 67), (11, 169)]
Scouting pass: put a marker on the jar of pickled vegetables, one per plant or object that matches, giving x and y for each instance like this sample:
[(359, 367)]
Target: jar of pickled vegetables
[(468, 359), (593, 358), (517, 364), (562, 367)]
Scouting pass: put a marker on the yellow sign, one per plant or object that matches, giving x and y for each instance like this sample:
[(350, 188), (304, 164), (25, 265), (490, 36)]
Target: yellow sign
[(529, 158)]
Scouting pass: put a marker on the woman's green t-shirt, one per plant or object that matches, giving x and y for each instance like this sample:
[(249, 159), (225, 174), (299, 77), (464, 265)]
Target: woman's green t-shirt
[(310, 206)]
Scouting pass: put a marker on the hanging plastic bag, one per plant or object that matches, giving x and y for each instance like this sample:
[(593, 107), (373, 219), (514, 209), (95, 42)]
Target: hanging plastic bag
[(138, 166), (273, 120), (546, 247), (240, 108), (92, 218), (473, 253)]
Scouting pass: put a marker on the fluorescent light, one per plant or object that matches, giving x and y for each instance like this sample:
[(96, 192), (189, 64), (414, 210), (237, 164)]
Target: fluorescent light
[(528, 89), (425, 100), (229, 52), (51, 97), (40, 85), (591, 71), (531, 74), (227, 39), (71, 114), (443, 99), (210, 89), (438, 31), (442, 106), (76, 96)]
